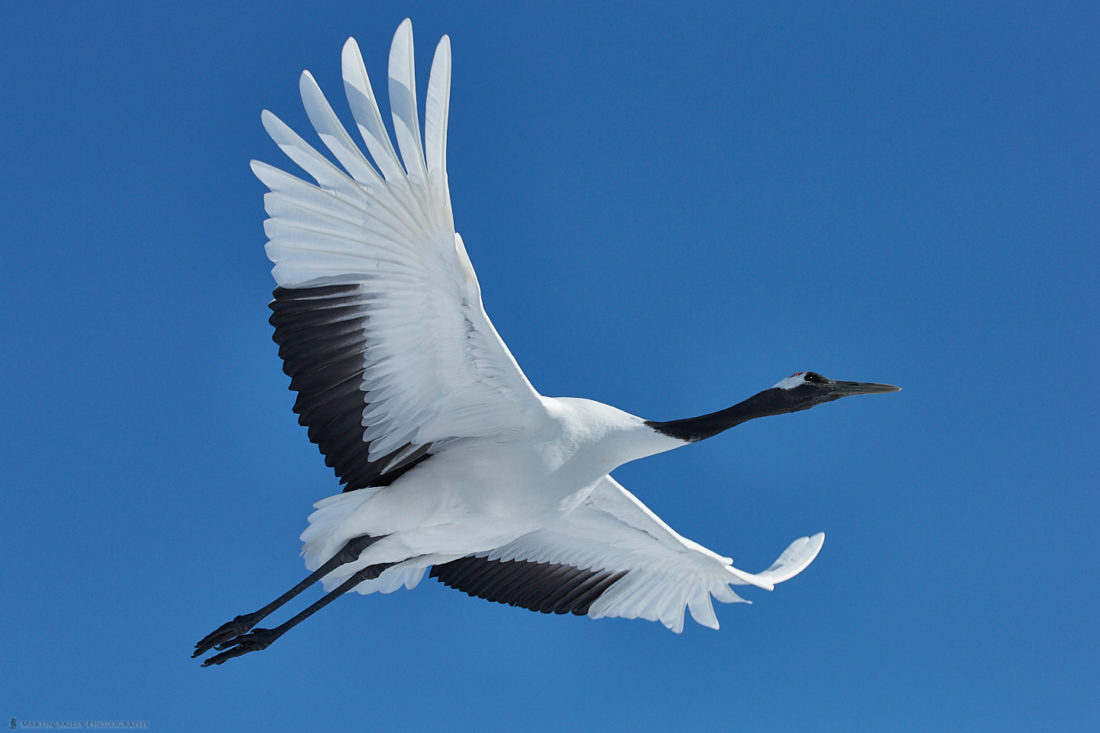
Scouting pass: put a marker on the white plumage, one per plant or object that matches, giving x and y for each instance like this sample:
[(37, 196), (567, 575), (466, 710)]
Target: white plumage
[(451, 459), (513, 475)]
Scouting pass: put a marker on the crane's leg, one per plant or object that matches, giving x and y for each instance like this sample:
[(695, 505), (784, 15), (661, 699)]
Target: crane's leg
[(238, 626), (258, 639)]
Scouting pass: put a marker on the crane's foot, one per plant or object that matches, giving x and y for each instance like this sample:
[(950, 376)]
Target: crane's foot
[(253, 641), (226, 632)]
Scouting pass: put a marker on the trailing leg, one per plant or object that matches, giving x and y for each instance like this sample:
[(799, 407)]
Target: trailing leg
[(241, 624), (258, 639)]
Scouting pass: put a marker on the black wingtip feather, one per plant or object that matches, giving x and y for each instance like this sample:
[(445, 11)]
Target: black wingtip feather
[(322, 341), (543, 587)]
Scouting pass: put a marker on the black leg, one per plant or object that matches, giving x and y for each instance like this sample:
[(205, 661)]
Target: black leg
[(238, 626), (258, 639)]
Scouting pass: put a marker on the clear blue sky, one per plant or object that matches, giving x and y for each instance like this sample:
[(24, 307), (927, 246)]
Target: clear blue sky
[(670, 207)]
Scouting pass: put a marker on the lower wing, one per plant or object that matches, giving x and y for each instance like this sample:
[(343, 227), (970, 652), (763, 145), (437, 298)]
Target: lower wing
[(612, 556)]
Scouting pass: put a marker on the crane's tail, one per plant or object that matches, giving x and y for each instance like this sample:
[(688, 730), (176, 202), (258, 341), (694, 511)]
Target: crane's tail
[(325, 535)]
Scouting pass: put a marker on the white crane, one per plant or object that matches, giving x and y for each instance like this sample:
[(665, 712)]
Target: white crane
[(451, 460)]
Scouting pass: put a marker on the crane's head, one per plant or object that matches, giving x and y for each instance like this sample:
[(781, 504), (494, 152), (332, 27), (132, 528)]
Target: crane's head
[(803, 390)]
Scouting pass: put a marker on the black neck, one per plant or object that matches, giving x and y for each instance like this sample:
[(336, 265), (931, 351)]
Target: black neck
[(769, 402)]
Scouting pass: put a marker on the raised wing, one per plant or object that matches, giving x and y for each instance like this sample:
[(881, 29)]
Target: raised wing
[(612, 556), (378, 312)]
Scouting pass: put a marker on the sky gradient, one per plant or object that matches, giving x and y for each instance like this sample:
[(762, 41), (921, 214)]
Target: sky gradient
[(669, 209)]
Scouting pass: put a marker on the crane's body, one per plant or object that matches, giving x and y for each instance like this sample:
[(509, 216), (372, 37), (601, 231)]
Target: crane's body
[(450, 459), (466, 500)]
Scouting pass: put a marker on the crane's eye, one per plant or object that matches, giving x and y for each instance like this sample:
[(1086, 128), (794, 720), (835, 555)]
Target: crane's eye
[(814, 377)]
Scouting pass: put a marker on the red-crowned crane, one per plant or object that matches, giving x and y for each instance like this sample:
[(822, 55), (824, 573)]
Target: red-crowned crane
[(451, 461)]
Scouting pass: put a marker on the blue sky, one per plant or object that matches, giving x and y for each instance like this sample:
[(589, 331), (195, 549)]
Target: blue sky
[(669, 208)]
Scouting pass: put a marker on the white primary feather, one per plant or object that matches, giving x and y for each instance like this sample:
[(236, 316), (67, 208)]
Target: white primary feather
[(364, 108), (402, 87)]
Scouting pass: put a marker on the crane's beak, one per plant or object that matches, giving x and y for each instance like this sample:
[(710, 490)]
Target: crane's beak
[(845, 389)]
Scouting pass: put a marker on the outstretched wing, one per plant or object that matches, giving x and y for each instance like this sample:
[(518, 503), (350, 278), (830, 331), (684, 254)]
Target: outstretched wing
[(378, 312), (612, 556)]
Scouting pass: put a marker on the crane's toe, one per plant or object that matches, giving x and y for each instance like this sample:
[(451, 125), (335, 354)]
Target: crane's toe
[(225, 632), (253, 641)]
